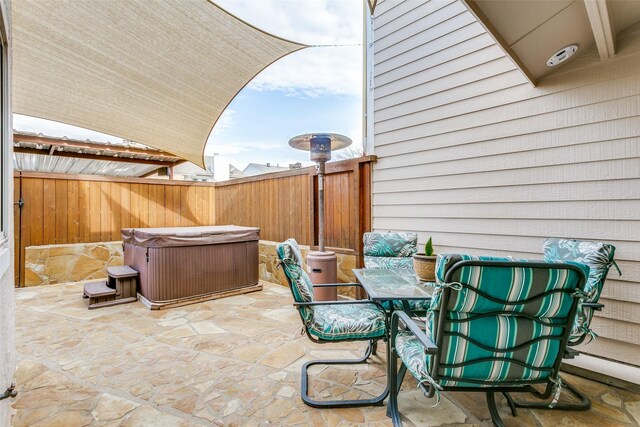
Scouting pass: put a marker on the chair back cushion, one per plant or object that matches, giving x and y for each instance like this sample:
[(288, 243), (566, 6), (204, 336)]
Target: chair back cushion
[(291, 261), (389, 250), (598, 257), (505, 320)]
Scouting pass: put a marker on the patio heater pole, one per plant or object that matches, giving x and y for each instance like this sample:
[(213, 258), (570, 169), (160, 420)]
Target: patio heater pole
[(320, 167), (321, 264)]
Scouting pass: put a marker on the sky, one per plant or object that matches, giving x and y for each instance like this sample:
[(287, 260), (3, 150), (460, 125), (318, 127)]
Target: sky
[(318, 89)]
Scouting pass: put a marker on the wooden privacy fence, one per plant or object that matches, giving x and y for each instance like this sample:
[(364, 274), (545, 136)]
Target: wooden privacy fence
[(58, 209)]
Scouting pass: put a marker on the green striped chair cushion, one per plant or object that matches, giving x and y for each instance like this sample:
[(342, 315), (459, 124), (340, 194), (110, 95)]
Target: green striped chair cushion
[(291, 262), (346, 321), (516, 284), (540, 356), (597, 256), (481, 343), (514, 340)]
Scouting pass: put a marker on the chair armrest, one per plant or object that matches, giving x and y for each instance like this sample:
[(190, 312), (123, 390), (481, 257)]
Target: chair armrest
[(401, 316), (593, 305), (332, 285)]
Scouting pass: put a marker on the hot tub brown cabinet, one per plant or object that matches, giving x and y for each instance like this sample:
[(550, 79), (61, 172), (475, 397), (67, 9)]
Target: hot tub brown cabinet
[(189, 264)]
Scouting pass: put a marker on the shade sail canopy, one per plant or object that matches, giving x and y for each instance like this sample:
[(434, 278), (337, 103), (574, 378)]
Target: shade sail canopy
[(156, 72)]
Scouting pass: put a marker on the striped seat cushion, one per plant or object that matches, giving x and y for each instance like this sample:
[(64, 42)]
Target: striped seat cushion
[(597, 256), (346, 321), (522, 339), (291, 261)]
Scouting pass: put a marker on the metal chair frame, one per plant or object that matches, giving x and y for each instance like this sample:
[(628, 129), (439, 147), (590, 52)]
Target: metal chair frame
[(304, 374)]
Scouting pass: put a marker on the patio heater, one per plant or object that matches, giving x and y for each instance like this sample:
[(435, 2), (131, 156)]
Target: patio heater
[(321, 264)]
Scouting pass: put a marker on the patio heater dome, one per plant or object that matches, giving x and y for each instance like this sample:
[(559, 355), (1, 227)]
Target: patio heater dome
[(322, 264), (320, 145)]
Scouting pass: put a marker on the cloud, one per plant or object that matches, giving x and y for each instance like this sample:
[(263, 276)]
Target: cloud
[(313, 71), (225, 122)]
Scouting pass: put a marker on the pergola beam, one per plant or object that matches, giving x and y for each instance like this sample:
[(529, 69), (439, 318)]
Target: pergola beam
[(598, 13), (58, 153), (113, 150)]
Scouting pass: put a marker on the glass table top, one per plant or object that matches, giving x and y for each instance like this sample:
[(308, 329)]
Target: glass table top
[(393, 284)]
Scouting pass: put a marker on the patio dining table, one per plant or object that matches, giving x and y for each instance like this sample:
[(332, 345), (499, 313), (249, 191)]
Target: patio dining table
[(391, 285)]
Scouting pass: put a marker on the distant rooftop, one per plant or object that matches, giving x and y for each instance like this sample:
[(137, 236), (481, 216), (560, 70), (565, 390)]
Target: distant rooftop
[(258, 169)]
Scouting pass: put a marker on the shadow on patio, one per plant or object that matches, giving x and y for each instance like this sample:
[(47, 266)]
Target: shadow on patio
[(233, 361)]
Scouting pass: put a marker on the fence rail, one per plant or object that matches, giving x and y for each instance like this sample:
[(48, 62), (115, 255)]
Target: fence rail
[(59, 209)]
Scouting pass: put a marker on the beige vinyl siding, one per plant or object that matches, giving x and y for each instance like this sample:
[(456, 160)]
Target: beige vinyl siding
[(474, 156)]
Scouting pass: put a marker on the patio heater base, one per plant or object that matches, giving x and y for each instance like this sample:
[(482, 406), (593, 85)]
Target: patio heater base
[(322, 268)]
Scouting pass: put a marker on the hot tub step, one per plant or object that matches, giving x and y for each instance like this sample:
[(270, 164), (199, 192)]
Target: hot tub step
[(98, 293), (120, 288), (98, 289), (112, 302), (124, 280)]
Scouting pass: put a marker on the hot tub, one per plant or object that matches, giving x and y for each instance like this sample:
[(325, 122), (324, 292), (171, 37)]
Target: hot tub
[(184, 265)]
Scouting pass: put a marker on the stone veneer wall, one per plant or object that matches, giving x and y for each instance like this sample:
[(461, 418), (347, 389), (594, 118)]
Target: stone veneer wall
[(50, 264)]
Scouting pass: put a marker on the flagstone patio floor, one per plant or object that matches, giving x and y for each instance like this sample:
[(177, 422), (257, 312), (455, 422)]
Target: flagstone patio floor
[(233, 361)]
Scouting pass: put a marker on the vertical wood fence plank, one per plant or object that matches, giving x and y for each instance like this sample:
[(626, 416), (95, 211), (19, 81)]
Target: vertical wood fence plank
[(49, 217), (73, 217), (105, 211), (18, 251), (85, 211), (95, 201), (115, 199), (125, 208), (61, 212), (33, 211), (143, 201), (134, 220)]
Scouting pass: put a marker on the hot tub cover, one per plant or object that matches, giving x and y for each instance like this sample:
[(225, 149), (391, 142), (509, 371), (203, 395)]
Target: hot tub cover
[(189, 236)]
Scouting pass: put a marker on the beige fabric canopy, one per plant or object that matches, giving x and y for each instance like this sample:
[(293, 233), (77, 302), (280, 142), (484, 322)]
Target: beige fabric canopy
[(156, 72)]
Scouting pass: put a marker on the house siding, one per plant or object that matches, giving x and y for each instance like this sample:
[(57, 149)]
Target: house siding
[(474, 156)]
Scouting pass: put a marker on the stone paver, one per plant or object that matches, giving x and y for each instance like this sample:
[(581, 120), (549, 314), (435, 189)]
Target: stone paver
[(234, 361)]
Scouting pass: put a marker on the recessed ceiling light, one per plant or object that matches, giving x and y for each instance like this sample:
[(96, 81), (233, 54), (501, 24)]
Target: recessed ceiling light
[(562, 55)]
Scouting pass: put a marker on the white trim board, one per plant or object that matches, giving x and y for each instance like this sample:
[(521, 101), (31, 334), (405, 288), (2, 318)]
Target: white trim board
[(5, 260), (619, 374)]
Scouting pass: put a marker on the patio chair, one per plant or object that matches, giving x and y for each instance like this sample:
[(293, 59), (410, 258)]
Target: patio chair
[(331, 322), (393, 250), (598, 257), (389, 250), (496, 325)]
